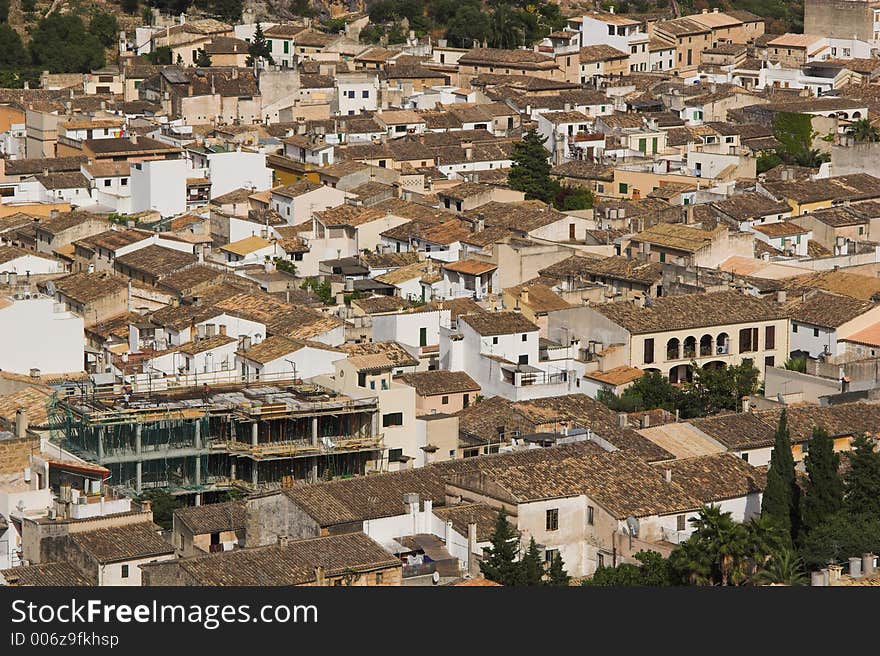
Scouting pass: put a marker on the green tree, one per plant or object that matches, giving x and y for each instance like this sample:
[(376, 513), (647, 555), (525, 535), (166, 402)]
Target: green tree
[(506, 28), (531, 569), (61, 44), (226, 10), (652, 390), (557, 574), (824, 491), (161, 56), (796, 135), (371, 34), (12, 52), (469, 24), (147, 16), (4, 11), (530, 171), (396, 34), (841, 536), (259, 46), (573, 198), (722, 388), (797, 363), (163, 506), (784, 567), (767, 161), (864, 131), (863, 478), (781, 500), (104, 26), (203, 59), (725, 545), (653, 570), (130, 7), (500, 564)]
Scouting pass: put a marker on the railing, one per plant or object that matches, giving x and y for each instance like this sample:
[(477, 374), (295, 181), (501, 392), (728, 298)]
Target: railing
[(422, 569), (302, 447)]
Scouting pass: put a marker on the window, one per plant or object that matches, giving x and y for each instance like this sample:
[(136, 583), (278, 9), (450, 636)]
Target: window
[(622, 188), (550, 554), (769, 361), (815, 332), (680, 523), (793, 327), (394, 455), (745, 457), (466, 400), (523, 359), (525, 337), (748, 340), (365, 94), (552, 521), (444, 400), (643, 145), (379, 577), (770, 337), (600, 560), (124, 182), (649, 350), (337, 582), (125, 571), (286, 47), (423, 336), (494, 340), (590, 515), (662, 257), (392, 419)]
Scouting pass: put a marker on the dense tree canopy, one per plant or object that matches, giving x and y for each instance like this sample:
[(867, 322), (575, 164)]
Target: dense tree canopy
[(781, 500), (104, 26), (530, 171), (61, 44)]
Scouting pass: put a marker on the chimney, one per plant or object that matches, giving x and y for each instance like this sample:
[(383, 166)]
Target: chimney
[(473, 566), (283, 540), (668, 475), (222, 329), (781, 296), (746, 404), (320, 579), (868, 564), (21, 423), (234, 73), (622, 419), (133, 139), (646, 420), (524, 295)]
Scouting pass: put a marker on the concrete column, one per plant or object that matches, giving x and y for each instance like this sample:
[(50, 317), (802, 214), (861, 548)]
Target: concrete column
[(255, 474), (197, 439), (255, 434), (137, 437), (138, 476), (314, 431), (198, 476), (100, 444), (232, 469)]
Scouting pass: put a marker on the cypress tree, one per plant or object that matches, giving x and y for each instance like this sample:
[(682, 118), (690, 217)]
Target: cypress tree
[(781, 501), (557, 574), (531, 570), (824, 495), (530, 171), (203, 59), (500, 565), (863, 478)]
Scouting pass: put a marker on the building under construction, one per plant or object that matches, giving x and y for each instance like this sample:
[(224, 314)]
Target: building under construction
[(194, 441)]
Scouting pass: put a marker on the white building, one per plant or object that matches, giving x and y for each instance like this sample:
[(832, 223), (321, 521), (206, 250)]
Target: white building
[(39, 334), (159, 185)]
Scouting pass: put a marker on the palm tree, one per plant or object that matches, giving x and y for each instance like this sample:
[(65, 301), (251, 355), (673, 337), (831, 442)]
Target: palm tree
[(862, 130), (783, 568), (691, 562), (726, 541), (505, 32)]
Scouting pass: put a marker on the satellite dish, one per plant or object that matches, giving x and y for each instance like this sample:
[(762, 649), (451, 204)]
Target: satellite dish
[(435, 577), (633, 525), (50, 288)]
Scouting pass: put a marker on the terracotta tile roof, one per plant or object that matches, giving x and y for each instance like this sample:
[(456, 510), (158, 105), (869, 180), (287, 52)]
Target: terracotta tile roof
[(780, 229), (840, 282), (688, 311), (469, 513), (382, 304), (156, 260), (716, 477), (379, 356), (519, 59), (45, 575), (273, 348), (752, 430), (66, 220), (112, 240), (869, 336), (498, 323), (206, 344), (32, 399), (857, 186), (617, 376), (821, 308), (439, 381), (750, 205), (120, 543), (613, 268), (600, 52), (470, 267), (619, 481), (185, 280), (541, 299), (86, 287), (212, 517), (246, 246), (290, 564), (676, 236)]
